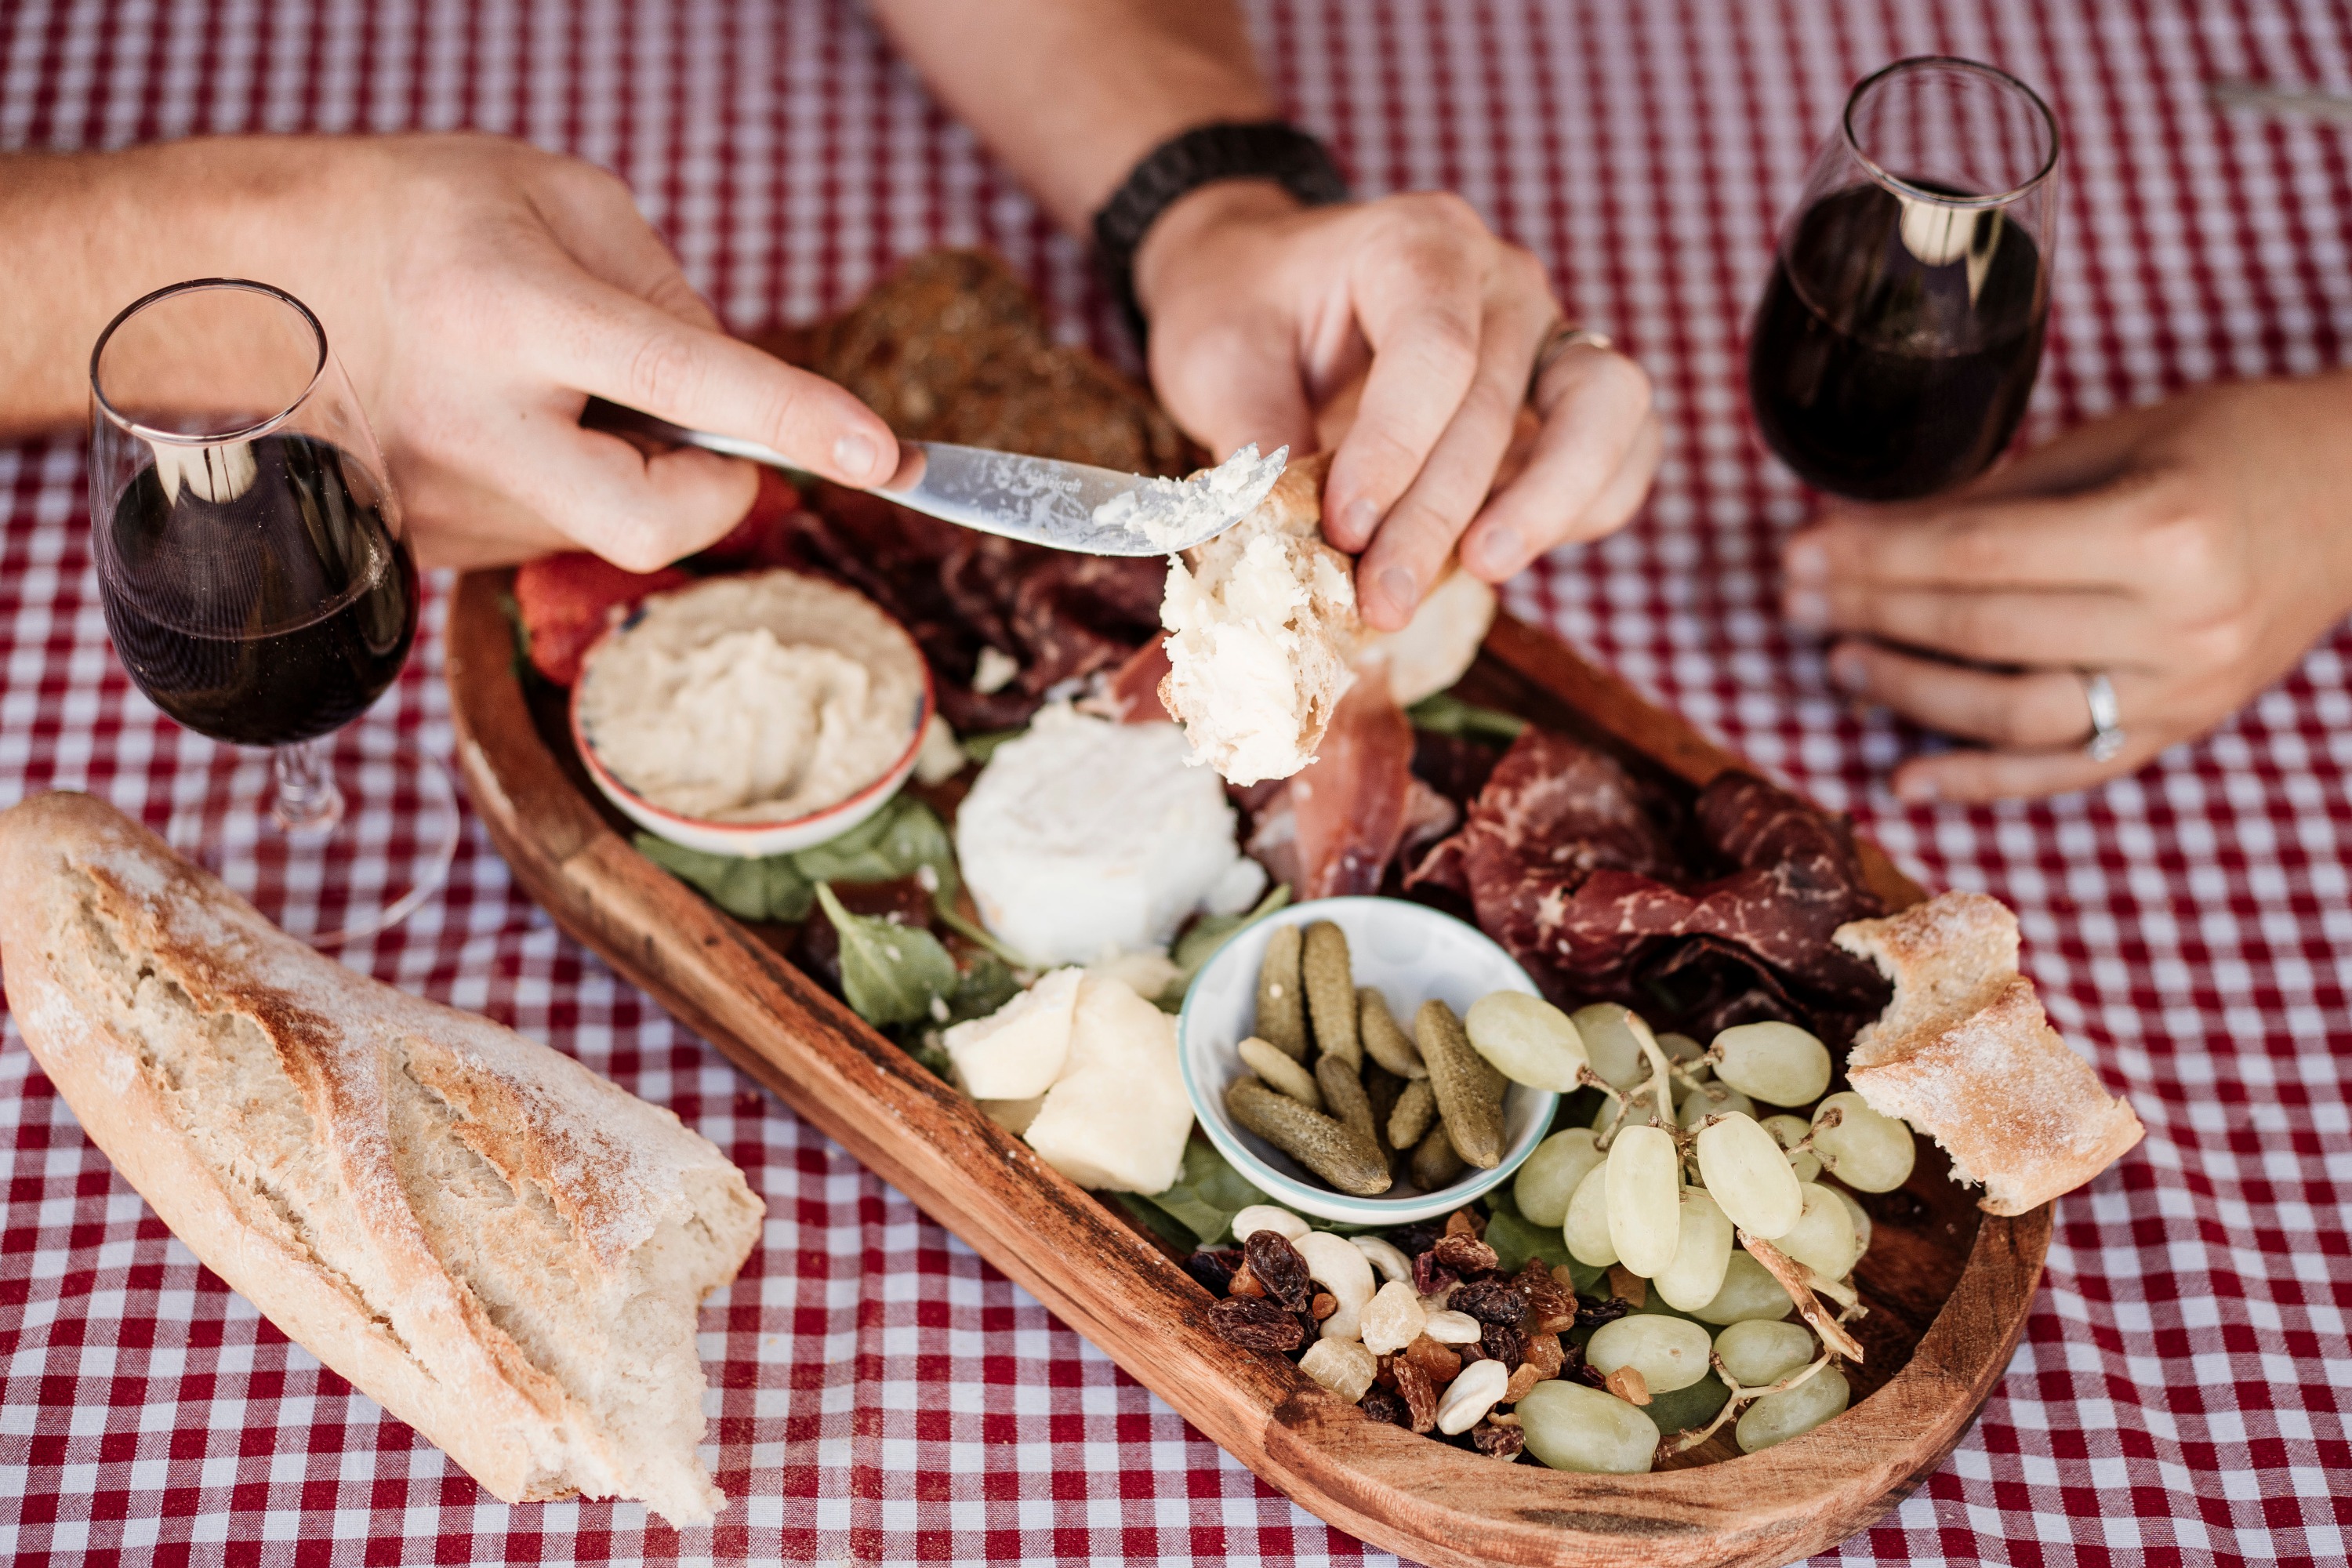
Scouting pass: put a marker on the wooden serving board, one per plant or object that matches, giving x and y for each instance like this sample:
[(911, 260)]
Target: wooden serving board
[(1948, 1287)]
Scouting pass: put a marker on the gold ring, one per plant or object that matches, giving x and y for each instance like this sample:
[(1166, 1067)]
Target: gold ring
[(1564, 335)]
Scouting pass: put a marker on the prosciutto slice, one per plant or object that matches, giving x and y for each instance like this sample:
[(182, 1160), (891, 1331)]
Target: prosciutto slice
[(1349, 802)]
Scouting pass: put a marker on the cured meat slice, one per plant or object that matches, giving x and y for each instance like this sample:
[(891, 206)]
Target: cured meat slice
[(1349, 802)]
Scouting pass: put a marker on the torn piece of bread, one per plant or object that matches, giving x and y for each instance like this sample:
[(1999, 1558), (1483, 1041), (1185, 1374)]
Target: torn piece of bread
[(504, 1249), (1261, 625), (1964, 1054)]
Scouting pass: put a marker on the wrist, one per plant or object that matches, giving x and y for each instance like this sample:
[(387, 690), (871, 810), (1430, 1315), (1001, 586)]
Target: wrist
[(1189, 231)]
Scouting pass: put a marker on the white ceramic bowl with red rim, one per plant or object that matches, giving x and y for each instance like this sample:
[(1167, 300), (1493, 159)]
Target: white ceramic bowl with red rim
[(751, 840)]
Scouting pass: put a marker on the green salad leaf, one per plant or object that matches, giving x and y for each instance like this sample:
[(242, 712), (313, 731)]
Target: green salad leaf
[(1446, 714), (1156, 1220), (982, 746), (891, 973), (769, 889), (1515, 1239), (897, 841), (986, 984), (1208, 1193), (1688, 1407)]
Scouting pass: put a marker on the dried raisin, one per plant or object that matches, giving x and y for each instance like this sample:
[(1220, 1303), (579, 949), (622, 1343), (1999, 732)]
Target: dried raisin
[(1245, 1283), (1526, 1378), (1438, 1363), (1545, 1353), (1489, 1301), (1505, 1344), (1419, 1395), (1464, 1253), (1550, 1310), (1430, 1276), (1381, 1405), (1257, 1325), (1502, 1442), (1277, 1267), (1466, 1222), (1213, 1271), (1322, 1306)]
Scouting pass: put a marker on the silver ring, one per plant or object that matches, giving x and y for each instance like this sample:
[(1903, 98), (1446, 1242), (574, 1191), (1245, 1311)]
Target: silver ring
[(1563, 336), (2106, 717)]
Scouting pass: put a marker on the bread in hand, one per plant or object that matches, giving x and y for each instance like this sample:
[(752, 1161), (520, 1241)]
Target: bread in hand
[(1964, 1054), (504, 1249)]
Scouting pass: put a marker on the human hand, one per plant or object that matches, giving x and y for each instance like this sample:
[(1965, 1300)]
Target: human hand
[(1267, 318), (478, 290), (2192, 552)]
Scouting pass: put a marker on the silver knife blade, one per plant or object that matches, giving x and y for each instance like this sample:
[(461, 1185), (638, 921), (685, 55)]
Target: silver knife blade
[(1037, 501)]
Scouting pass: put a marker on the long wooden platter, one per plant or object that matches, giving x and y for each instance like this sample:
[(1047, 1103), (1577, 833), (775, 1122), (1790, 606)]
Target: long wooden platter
[(1949, 1288)]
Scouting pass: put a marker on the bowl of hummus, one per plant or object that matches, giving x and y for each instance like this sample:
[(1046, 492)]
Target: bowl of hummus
[(753, 715)]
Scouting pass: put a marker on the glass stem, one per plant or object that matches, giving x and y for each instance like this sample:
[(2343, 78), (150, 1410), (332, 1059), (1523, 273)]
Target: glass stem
[(309, 805)]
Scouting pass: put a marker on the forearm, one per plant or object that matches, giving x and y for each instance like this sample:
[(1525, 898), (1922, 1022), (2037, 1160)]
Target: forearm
[(1070, 94), (82, 234)]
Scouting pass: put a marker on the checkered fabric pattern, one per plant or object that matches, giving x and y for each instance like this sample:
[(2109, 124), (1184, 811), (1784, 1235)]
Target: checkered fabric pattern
[(877, 1392)]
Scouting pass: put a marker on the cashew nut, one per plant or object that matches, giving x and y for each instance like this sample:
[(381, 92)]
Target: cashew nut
[(1334, 1263), (1266, 1216), (1389, 1259), (1450, 1328), (1471, 1395)]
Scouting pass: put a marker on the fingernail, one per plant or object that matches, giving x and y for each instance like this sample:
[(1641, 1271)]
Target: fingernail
[(1806, 562), (1499, 551), (1400, 590), (1915, 789), (1806, 609), (855, 457), (1359, 518), (1848, 672)]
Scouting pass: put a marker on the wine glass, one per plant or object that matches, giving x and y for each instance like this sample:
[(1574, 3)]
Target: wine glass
[(259, 585), (1898, 338)]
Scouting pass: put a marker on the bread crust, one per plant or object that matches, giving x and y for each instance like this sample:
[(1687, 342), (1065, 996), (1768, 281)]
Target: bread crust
[(1964, 1054), (188, 1035)]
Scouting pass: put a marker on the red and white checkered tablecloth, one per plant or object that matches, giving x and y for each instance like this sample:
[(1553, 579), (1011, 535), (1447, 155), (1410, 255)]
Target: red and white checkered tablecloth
[(878, 1392)]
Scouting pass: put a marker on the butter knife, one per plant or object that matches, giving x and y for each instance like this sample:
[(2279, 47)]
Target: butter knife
[(1038, 500)]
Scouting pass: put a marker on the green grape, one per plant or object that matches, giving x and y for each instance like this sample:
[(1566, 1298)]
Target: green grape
[(1702, 1252), (1550, 1176), (1645, 1198), (1822, 1238), (1586, 1230), (1780, 1064), (1669, 1352), (1759, 1352), (1747, 1171), (1527, 1040), (1777, 1417), (1750, 1294), (1712, 1099), (1867, 1151), (1790, 1132), (1612, 1037), (1685, 1052), (1571, 1428), (1861, 1217)]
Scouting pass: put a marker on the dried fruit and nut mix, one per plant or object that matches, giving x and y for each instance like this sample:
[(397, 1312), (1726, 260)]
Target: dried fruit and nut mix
[(1647, 1280)]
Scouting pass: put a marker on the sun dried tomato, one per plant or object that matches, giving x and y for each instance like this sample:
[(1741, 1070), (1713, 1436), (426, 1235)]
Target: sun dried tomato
[(1255, 1324), (1279, 1268)]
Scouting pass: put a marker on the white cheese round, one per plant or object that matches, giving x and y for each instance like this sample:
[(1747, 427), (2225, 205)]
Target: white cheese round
[(1082, 836)]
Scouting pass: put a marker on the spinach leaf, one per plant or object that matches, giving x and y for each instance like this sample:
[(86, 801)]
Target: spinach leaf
[(1446, 714), (1156, 1220), (770, 889), (897, 841), (982, 746), (1688, 1407), (986, 987), (1515, 1239), (1210, 933), (891, 973), (1208, 1193)]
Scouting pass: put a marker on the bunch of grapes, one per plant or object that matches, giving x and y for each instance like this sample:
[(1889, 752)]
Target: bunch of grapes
[(1698, 1176)]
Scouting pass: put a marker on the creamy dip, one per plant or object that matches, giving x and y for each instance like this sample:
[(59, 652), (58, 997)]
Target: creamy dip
[(755, 699)]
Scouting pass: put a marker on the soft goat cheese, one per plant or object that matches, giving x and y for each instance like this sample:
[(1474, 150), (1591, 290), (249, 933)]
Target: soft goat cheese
[(1084, 835), (755, 699)]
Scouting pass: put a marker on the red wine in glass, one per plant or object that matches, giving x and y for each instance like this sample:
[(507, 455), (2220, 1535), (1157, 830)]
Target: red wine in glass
[(1898, 338), (258, 581)]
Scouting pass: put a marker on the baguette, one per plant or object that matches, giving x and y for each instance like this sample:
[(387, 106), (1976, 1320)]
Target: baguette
[(1965, 1053), (502, 1248)]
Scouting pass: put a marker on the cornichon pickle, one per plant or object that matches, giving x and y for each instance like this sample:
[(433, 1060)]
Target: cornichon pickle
[(1415, 1108), (1344, 1098), (1324, 1146), (1331, 992), (1281, 1000), (1436, 1161), (1281, 1072), (1469, 1097), (1381, 1086), (1383, 1040)]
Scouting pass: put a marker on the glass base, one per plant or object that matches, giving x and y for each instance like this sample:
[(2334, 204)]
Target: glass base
[(379, 846)]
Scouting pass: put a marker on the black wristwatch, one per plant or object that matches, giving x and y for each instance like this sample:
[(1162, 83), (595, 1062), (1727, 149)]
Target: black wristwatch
[(1265, 150)]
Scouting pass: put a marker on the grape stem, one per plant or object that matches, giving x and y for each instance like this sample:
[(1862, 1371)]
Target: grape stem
[(1661, 1077), (1742, 1395)]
